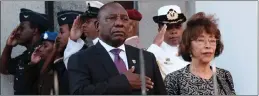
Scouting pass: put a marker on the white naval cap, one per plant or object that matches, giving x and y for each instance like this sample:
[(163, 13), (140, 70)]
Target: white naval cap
[(95, 4), (164, 10), (169, 14)]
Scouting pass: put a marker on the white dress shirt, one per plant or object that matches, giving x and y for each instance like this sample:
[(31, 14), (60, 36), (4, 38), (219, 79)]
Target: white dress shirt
[(73, 47), (122, 54), (167, 58), (95, 40)]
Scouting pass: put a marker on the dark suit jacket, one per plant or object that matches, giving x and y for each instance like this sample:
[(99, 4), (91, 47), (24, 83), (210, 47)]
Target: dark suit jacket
[(92, 71)]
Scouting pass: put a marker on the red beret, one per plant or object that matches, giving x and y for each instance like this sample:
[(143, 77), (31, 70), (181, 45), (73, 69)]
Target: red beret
[(134, 14)]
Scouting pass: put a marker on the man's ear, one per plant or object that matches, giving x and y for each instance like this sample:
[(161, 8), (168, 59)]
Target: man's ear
[(36, 31), (96, 23)]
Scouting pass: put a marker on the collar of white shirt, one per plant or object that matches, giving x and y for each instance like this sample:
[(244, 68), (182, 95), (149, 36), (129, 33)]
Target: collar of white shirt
[(58, 60), (95, 40), (108, 48)]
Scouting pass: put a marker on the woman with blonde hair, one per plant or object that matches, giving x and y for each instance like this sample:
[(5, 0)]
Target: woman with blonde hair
[(200, 44)]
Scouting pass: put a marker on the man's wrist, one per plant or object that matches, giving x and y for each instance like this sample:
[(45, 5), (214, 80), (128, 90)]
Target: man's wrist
[(73, 39), (158, 44)]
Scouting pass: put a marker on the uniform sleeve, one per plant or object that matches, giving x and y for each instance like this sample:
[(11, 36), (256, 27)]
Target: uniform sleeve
[(11, 67), (230, 82), (31, 74), (171, 85), (156, 50), (71, 48)]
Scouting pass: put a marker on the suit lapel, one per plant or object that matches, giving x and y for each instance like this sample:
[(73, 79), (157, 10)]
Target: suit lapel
[(133, 58), (106, 60)]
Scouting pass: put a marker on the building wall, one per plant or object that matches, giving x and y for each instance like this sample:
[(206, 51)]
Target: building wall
[(238, 26)]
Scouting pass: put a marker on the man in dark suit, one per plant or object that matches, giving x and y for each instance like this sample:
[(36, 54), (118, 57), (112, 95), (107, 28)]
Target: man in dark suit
[(110, 67)]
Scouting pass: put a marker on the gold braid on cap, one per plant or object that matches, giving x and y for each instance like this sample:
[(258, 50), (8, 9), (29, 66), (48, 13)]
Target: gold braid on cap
[(171, 14)]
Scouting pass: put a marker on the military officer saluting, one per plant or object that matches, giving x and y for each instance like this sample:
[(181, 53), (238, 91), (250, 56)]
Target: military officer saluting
[(27, 34), (37, 59), (54, 63), (169, 20), (86, 29)]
